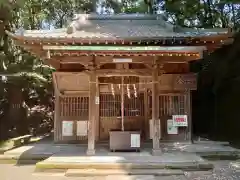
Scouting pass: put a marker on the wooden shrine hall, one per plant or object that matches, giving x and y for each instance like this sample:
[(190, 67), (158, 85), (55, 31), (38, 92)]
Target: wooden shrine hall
[(122, 78)]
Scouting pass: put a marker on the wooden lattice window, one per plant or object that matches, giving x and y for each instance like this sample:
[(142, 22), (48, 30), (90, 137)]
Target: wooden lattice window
[(110, 106), (110, 102), (134, 106), (74, 107), (171, 104)]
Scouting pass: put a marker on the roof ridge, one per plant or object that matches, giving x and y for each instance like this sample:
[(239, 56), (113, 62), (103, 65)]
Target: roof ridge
[(121, 16), (83, 21)]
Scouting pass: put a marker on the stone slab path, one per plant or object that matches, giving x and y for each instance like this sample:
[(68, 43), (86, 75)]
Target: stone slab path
[(222, 171), (124, 161), (48, 148)]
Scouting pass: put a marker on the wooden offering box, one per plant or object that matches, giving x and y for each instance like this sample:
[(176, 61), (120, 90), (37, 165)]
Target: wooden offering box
[(124, 140)]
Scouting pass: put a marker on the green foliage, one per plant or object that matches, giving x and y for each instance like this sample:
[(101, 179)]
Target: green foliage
[(219, 86), (205, 14), (59, 12), (126, 6)]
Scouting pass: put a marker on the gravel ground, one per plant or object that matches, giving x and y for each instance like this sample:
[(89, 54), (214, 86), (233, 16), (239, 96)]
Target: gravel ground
[(221, 172)]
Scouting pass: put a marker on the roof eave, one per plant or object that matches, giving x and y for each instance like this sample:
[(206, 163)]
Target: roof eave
[(118, 38)]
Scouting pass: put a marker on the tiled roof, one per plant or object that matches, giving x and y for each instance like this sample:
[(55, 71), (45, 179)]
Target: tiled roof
[(120, 26)]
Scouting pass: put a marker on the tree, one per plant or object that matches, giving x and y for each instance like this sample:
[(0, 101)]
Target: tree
[(19, 71), (202, 14)]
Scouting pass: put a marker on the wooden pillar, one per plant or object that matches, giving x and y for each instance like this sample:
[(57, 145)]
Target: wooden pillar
[(189, 111), (97, 110), (56, 117), (122, 104), (146, 120), (156, 131), (92, 114)]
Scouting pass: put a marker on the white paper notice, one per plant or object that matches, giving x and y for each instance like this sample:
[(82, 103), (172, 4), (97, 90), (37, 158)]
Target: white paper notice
[(67, 128), (135, 140), (170, 128), (82, 128), (97, 100)]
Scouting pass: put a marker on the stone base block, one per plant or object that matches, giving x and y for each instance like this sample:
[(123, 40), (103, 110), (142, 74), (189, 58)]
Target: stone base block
[(157, 152), (91, 152)]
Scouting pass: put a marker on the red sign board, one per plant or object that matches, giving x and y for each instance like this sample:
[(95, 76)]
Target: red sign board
[(180, 120)]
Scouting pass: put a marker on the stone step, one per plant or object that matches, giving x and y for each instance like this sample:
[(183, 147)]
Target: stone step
[(46, 166), (126, 177), (106, 172), (108, 177)]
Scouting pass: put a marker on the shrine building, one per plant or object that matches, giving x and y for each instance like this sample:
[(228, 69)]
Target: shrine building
[(123, 79)]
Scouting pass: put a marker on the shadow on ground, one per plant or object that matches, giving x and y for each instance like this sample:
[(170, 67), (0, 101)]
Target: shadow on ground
[(33, 152)]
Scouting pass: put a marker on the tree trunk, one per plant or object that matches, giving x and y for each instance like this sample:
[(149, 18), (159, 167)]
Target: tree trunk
[(222, 17), (17, 113), (210, 14), (234, 15), (208, 19), (150, 4)]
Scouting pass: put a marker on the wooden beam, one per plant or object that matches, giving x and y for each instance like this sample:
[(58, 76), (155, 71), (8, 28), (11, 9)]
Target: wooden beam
[(68, 93), (70, 56), (123, 72), (75, 57), (99, 60), (176, 59), (135, 59), (147, 60), (110, 56), (84, 60)]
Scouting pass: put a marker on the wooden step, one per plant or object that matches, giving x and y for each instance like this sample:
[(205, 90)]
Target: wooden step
[(106, 172)]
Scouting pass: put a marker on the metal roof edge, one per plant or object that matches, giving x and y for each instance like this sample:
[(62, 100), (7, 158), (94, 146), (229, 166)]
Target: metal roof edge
[(98, 39), (202, 30)]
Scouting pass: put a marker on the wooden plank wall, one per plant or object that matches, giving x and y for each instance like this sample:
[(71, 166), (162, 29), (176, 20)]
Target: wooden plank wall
[(71, 103), (72, 98)]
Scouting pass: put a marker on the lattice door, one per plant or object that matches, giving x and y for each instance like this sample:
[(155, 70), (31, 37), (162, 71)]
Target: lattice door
[(73, 109), (110, 104), (172, 104)]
